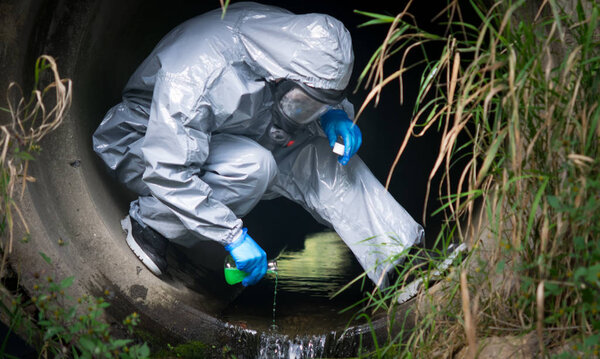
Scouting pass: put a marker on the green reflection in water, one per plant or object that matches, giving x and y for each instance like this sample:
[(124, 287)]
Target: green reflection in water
[(321, 268), (306, 280)]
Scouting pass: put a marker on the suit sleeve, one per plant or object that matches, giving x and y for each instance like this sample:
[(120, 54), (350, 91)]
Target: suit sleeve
[(175, 147)]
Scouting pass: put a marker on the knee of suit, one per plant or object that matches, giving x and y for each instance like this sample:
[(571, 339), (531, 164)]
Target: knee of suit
[(260, 167)]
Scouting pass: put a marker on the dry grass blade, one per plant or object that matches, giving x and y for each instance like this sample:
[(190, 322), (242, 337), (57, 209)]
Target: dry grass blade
[(540, 315), (32, 117), (470, 327)]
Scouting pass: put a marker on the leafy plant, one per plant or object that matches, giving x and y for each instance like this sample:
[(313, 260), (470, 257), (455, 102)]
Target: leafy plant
[(77, 329)]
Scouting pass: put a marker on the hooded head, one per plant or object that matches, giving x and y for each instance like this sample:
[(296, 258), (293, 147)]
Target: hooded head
[(313, 49)]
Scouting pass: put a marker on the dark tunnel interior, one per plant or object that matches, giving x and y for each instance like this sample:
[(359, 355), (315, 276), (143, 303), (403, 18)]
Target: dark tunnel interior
[(383, 127), (280, 224)]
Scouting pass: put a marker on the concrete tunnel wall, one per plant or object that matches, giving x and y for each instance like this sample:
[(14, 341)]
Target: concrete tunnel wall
[(98, 44)]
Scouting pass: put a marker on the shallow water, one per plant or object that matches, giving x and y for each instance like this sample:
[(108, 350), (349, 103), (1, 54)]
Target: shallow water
[(284, 347), (321, 268), (307, 279)]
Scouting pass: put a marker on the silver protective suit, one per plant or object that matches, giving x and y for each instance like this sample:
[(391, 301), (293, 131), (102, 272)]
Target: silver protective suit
[(189, 135)]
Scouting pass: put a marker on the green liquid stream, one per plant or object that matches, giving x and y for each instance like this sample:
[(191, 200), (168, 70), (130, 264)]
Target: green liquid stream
[(234, 276), (273, 326)]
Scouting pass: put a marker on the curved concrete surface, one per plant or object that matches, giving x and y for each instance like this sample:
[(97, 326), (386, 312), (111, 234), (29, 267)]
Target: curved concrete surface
[(98, 43)]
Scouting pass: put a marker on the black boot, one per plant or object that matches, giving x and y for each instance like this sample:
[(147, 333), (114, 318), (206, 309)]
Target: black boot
[(149, 245)]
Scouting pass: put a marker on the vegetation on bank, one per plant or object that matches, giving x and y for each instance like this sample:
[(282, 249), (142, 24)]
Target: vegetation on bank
[(516, 98), (48, 318)]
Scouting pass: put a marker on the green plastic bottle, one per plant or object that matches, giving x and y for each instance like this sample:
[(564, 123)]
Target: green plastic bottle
[(235, 276)]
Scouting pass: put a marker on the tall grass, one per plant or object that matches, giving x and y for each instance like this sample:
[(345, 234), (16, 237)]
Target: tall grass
[(522, 85)]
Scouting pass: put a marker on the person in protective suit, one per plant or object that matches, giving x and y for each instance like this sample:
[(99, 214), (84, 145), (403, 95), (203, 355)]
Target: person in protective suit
[(227, 111)]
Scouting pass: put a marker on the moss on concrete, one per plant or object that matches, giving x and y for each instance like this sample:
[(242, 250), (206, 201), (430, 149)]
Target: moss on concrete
[(193, 349)]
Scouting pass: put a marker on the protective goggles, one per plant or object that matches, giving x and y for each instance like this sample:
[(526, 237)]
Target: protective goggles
[(303, 104)]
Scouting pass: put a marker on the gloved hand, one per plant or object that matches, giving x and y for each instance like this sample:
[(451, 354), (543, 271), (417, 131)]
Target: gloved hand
[(248, 257), (335, 122)]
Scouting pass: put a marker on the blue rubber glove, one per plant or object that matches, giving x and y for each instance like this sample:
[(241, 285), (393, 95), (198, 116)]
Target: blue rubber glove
[(336, 123), (248, 257)]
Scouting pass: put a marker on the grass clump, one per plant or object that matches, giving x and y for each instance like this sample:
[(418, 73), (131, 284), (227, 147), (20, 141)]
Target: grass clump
[(522, 85)]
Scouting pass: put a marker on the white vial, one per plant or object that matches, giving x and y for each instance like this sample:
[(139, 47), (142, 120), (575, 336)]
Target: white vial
[(338, 149)]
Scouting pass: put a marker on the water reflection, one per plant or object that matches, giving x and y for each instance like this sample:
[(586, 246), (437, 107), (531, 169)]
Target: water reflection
[(307, 278), (321, 268)]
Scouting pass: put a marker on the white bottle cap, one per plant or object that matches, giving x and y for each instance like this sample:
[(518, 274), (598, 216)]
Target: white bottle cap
[(338, 149)]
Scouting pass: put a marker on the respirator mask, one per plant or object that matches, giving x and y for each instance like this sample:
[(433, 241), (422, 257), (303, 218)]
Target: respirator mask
[(295, 106)]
